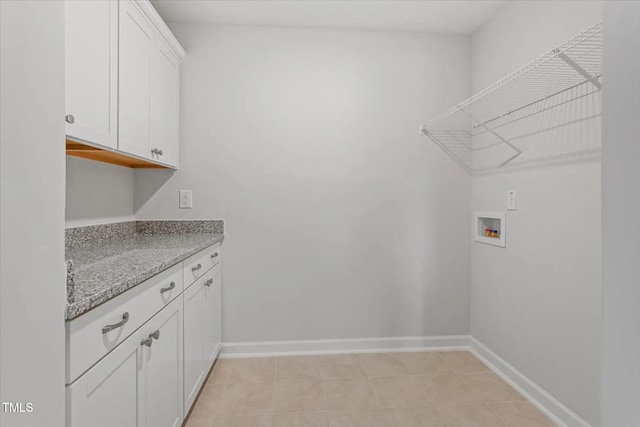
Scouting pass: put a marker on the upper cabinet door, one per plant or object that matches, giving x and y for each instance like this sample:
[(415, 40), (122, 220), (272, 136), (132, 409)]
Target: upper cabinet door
[(165, 112), (137, 45), (91, 54)]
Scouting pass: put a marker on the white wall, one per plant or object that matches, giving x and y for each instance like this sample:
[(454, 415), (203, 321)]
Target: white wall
[(621, 209), (97, 193), (32, 270), (341, 221), (536, 303)]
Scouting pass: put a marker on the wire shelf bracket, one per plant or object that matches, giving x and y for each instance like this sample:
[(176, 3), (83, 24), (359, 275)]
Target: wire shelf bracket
[(578, 68), (495, 126)]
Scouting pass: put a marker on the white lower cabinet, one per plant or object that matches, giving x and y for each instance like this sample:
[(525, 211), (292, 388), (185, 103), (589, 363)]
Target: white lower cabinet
[(137, 384), (108, 394), (156, 364), (194, 373), (212, 318), (162, 366), (202, 331)]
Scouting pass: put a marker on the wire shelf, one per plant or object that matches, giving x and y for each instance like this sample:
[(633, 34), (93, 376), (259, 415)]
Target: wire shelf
[(548, 108)]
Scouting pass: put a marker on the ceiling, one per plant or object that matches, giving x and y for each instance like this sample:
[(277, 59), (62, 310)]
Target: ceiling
[(445, 17)]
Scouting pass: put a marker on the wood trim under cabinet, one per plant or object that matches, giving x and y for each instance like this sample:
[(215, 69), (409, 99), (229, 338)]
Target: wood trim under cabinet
[(85, 151)]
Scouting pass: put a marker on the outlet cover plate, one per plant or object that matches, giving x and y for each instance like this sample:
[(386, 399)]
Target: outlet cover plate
[(186, 199)]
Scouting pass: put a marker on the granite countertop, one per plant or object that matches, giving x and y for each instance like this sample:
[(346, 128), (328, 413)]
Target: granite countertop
[(117, 258)]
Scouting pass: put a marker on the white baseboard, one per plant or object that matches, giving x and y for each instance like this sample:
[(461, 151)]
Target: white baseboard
[(545, 402), (340, 346)]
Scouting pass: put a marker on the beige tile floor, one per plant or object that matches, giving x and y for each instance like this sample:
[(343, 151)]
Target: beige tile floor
[(450, 389)]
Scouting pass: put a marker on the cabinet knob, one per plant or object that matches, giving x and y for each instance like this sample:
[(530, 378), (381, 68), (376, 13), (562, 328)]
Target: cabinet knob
[(214, 255), (156, 151), (196, 268), (69, 118), (155, 334), (208, 283), (147, 341)]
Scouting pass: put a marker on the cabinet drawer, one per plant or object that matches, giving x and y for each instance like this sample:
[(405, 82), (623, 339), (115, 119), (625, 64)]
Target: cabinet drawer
[(88, 337), (196, 265)]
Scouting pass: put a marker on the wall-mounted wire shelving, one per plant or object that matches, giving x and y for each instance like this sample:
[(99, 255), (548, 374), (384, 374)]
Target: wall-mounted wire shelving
[(539, 110)]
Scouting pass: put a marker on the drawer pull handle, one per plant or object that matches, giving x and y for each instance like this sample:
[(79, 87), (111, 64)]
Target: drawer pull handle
[(125, 319), (155, 334), (147, 341), (168, 288), (196, 268), (214, 255), (208, 282)]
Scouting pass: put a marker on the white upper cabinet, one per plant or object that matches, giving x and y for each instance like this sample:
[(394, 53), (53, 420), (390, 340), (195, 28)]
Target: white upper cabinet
[(122, 80), (165, 112), (91, 55), (137, 43)]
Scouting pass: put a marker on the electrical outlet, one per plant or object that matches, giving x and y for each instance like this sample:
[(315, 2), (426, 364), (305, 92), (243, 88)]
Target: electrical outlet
[(186, 199), (511, 200)]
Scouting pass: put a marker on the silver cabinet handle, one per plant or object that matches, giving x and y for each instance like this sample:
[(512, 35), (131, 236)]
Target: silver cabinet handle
[(196, 268), (168, 288), (125, 319), (147, 341), (155, 334), (214, 255), (69, 118), (160, 152), (156, 151), (208, 282)]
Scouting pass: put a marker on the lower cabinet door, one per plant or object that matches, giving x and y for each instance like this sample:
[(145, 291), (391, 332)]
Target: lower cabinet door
[(212, 318), (109, 394), (194, 368), (162, 364)]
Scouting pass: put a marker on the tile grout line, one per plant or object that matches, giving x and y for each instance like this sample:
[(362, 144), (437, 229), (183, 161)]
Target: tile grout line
[(324, 394), (484, 400), (496, 414), (273, 393), (224, 391), (426, 393), (435, 406), (364, 371), (464, 380)]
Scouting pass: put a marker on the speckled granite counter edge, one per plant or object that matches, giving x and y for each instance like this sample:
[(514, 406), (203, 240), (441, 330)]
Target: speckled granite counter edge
[(214, 226), (95, 234), (76, 309)]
